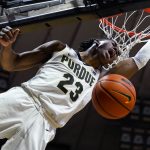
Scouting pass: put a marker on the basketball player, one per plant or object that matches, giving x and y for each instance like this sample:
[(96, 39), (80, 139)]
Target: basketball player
[(30, 114)]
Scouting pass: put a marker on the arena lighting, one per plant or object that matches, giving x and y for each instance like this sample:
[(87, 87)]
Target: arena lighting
[(15, 3), (24, 13)]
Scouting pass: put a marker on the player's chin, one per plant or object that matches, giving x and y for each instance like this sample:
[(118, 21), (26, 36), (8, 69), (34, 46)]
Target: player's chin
[(112, 59), (106, 61)]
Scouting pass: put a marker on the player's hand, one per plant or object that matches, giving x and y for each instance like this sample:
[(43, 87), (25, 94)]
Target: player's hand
[(8, 36)]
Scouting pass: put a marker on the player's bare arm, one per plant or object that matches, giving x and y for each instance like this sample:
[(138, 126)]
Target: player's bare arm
[(126, 68), (12, 61)]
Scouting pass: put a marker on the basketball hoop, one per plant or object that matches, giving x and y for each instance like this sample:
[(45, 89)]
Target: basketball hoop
[(117, 28)]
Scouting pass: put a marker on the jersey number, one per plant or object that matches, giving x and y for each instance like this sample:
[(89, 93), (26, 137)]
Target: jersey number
[(69, 81)]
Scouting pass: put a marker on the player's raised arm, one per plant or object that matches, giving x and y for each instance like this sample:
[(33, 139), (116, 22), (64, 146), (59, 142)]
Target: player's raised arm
[(126, 68), (7, 38), (12, 61), (130, 66)]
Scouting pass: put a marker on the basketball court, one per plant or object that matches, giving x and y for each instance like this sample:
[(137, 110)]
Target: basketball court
[(73, 21)]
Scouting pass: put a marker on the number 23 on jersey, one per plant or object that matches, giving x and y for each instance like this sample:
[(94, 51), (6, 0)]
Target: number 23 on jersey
[(70, 81)]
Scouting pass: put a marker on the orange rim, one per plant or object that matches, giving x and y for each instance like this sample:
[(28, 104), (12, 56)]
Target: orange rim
[(130, 33), (147, 10)]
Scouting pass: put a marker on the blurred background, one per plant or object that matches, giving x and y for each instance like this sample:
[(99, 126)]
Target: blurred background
[(73, 21)]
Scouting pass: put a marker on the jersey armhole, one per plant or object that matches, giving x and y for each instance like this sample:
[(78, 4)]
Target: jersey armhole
[(63, 51)]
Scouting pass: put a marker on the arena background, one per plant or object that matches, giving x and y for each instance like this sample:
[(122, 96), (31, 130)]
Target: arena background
[(72, 22)]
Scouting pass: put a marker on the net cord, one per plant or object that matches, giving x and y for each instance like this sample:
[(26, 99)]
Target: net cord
[(125, 39)]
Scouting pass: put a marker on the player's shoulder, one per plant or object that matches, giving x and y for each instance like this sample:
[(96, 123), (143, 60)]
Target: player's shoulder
[(54, 45)]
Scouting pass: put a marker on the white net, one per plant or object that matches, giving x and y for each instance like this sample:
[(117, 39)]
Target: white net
[(126, 30)]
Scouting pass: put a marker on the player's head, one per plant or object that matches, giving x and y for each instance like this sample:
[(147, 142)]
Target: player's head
[(99, 52)]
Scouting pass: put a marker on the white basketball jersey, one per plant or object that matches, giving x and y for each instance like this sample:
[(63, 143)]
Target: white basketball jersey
[(63, 85)]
